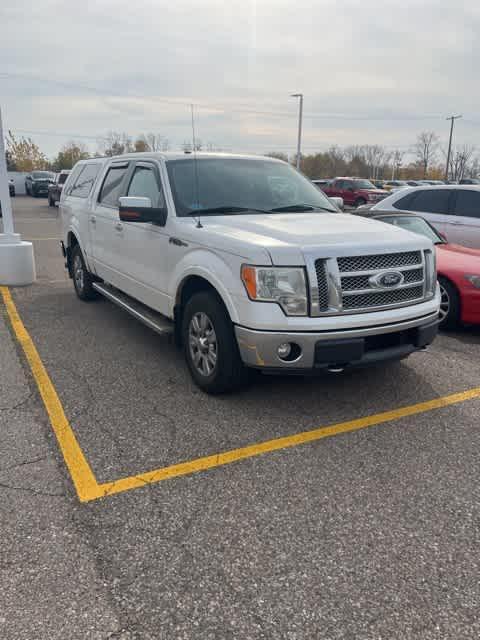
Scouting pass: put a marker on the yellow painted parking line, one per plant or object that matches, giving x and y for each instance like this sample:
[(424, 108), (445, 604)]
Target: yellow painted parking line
[(83, 478)]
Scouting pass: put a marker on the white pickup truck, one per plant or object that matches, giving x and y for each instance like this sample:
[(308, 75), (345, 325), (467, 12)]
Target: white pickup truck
[(247, 264)]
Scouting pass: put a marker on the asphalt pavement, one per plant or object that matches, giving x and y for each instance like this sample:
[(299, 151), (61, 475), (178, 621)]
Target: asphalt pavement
[(372, 534)]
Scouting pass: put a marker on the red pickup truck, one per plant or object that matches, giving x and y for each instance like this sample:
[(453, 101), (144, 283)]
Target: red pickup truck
[(355, 191)]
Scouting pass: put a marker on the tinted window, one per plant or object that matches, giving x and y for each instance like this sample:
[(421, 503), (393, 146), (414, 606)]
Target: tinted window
[(62, 178), (431, 201), (144, 184), (405, 202), (42, 175), (111, 185), (468, 203), (84, 183)]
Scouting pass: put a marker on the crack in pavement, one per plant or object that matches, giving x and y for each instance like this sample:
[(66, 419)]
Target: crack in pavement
[(35, 492), (23, 463)]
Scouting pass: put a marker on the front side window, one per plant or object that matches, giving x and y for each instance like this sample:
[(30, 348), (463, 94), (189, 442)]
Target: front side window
[(250, 184), (468, 203), (112, 185), (144, 184), (84, 183)]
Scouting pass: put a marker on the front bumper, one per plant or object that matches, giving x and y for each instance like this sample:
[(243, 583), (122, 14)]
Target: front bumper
[(336, 349)]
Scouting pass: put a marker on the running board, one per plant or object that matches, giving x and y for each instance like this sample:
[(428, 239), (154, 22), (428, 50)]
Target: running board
[(149, 317)]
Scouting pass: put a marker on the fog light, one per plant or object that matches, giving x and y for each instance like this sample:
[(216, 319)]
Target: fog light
[(284, 350)]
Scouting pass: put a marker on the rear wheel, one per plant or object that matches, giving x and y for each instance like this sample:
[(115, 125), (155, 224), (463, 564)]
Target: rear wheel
[(449, 305), (82, 278), (210, 346)]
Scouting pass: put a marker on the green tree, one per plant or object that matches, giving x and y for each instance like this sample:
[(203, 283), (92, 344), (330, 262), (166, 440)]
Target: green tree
[(24, 154), (70, 154)]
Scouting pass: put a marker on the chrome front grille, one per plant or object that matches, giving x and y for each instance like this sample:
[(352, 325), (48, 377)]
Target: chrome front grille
[(382, 298), (348, 284), (387, 261)]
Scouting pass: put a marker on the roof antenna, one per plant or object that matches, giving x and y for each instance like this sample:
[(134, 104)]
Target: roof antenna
[(199, 222)]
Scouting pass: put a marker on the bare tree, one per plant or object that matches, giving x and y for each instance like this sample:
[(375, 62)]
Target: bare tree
[(460, 161), (115, 144), (426, 150), (396, 160)]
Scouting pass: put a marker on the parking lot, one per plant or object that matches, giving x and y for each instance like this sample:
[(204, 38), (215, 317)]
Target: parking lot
[(335, 507)]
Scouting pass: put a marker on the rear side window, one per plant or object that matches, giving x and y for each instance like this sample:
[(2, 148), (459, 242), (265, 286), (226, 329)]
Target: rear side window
[(84, 183), (467, 203), (405, 202), (111, 185), (62, 178), (72, 178), (431, 201)]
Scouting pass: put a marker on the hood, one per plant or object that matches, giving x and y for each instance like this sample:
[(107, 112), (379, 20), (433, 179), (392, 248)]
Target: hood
[(288, 237), (454, 257)]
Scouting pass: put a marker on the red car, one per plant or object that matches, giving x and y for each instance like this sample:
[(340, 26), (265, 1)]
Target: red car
[(458, 270), (355, 191)]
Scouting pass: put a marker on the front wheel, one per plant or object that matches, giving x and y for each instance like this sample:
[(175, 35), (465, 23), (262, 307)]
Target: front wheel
[(449, 305), (210, 346), (82, 278)]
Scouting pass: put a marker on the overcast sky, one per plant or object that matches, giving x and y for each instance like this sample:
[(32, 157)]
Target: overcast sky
[(372, 72)]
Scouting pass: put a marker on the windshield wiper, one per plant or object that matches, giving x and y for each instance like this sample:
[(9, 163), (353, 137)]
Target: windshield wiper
[(302, 207), (224, 209)]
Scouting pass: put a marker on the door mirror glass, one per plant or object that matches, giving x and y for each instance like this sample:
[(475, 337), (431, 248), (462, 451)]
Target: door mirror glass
[(139, 209)]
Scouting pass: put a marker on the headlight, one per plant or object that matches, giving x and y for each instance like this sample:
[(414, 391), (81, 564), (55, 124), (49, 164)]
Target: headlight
[(431, 273), (475, 280), (284, 285)]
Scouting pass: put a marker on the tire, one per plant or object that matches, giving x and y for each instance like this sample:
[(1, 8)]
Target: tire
[(359, 202), (215, 365), (449, 305), (82, 279)]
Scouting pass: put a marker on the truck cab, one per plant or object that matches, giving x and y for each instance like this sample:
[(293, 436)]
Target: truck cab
[(246, 264)]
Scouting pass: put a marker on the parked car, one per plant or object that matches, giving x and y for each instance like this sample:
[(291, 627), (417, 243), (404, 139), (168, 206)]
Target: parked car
[(458, 270), (355, 191), (246, 263), (453, 210), (36, 183), (393, 185), (11, 188), (469, 181), (413, 183), (323, 182), (55, 187)]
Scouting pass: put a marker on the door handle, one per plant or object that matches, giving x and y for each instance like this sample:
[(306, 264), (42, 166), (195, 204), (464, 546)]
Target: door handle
[(119, 226), (93, 219)]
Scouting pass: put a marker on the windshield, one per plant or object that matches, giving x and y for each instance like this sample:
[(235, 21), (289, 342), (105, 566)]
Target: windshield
[(363, 184), (415, 225), (42, 175), (240, 183)]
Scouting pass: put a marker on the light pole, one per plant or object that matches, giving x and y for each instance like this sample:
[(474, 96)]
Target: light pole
[(300, 118), (452, 120)]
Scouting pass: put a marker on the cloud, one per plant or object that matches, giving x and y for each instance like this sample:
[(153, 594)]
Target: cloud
[(370, 72)]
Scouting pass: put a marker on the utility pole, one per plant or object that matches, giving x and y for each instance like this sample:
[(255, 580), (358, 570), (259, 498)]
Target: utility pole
[(452, 121), (300, 118)]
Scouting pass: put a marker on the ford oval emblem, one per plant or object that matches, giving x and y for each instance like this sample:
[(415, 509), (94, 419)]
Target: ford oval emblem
[(387, 280)]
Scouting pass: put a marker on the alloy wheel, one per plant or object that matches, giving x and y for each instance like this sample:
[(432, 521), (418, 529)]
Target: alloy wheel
[(203, 345)]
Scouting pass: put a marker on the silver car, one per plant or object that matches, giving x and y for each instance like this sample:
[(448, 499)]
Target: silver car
[(452, 209)]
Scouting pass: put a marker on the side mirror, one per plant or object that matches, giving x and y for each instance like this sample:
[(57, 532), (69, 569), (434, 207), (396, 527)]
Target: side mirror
[(133, 209), (338, 202)]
